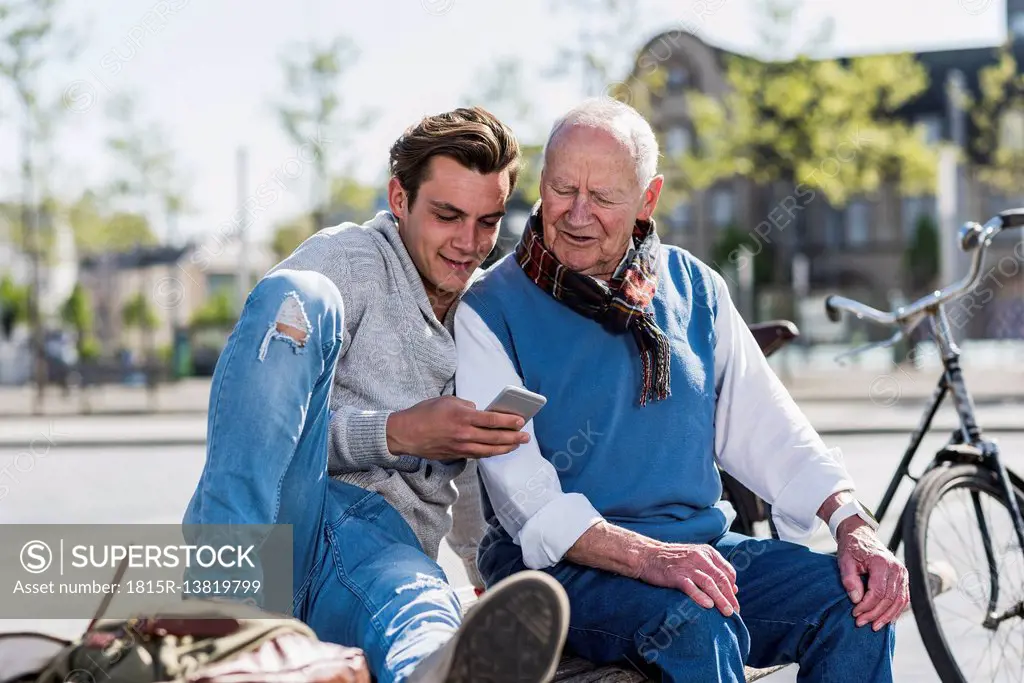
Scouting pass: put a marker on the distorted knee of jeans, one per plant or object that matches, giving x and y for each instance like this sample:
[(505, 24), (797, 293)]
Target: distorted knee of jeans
[(291, 325)]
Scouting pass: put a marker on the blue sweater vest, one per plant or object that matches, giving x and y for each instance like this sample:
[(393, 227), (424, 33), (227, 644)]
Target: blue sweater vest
[(650, 469)]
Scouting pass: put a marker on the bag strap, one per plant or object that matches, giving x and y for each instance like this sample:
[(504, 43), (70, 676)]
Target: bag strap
[(109, 597)]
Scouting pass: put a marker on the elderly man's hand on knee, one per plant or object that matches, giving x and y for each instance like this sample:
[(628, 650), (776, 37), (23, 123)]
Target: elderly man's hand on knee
[(888, 592), (698, 570)]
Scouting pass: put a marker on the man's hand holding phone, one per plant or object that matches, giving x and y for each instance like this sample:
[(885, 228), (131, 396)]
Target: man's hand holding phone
[(449, 427)]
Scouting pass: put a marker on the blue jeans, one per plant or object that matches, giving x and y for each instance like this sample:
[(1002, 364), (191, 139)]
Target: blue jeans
[(793, 608), (360, 576)]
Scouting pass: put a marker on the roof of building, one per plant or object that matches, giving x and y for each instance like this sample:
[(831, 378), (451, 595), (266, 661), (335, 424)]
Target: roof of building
[(139, 257)]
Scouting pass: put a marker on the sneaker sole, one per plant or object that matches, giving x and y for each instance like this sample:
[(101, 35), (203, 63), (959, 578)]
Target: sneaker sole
[(513, 635)]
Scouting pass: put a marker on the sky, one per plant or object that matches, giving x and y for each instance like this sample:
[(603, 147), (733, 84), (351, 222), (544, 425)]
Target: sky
[(207, 73)]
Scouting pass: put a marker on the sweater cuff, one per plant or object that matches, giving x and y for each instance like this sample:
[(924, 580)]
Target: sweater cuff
[(362, 435)]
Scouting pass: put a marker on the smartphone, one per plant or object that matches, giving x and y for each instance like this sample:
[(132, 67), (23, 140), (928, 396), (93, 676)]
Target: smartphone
[(517, 401)]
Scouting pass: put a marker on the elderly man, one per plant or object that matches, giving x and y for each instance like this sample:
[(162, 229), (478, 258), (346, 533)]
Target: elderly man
[(653, 379)]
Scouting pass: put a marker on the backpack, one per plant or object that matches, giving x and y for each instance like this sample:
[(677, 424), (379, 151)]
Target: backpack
[(201, 641)]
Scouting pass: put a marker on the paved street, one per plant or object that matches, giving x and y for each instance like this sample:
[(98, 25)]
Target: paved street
[(138, 483)]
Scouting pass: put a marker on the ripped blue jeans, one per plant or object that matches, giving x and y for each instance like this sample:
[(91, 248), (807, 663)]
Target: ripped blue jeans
[(360, 576)]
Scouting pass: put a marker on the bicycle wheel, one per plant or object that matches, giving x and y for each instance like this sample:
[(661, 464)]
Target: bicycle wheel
[(966, 575)]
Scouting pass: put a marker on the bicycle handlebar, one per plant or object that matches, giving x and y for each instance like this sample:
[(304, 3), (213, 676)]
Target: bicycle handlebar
[(972, 237)]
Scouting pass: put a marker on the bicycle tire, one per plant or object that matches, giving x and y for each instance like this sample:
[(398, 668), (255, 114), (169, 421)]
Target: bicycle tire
[(923, 501)]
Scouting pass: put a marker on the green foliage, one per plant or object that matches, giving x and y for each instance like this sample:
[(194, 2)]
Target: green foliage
[(97, 231), (89, 349), (165, 353), (312, 110), (726, 253), (218, 311), (528, 183), (999, 117), (138, 313), (352, 199), (289, 235), (922, 257), (14, 298), (824, 124), (76, 312), (146, 179)]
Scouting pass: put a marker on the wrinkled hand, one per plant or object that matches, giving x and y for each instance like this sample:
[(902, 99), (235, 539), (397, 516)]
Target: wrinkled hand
[(448, 427), (698, 570), (862, 553)]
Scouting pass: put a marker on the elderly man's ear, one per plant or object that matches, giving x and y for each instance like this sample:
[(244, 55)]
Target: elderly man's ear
[(651, 195)]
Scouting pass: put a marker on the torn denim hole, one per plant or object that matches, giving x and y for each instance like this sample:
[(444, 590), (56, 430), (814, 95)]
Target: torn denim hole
[(424, 582), (291, 325)]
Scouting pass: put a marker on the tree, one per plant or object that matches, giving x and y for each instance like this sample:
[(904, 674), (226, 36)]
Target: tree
[(14, 305), (312, 106), (828, 125), (289, 235), (146, 179), (98, 231), (998, 115), (586, 56), (137, 313), (810, 127), (351, 200), (30, 39), (503, 93), (218, 311), (77, 314)]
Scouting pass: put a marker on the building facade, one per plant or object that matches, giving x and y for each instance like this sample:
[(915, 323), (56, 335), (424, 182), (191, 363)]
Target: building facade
[(857, 249)]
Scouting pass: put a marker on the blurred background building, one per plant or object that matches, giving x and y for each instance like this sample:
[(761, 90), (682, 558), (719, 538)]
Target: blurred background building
[(863, 246), (793, 171)]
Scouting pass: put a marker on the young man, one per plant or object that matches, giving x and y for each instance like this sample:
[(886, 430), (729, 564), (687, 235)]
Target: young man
[(343, 363)]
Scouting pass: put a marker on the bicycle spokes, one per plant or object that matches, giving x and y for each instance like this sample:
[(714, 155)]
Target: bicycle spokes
[(982, 618)]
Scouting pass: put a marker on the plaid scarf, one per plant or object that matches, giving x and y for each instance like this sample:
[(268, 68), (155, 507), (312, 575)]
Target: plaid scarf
[(618, 305)]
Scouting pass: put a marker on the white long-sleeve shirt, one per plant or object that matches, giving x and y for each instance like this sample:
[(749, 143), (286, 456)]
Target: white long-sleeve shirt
[(761, 437)]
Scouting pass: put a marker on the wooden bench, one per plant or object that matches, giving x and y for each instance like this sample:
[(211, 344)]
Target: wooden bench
[(576, 670)]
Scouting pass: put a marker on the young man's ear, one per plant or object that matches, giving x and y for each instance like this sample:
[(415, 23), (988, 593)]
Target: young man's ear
[(398, 198)]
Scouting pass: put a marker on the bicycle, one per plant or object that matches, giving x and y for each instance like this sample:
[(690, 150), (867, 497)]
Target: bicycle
[(967, 470)]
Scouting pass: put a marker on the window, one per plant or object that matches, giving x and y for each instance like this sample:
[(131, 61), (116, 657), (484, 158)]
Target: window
[(913, 209), (678, 79), (833, 228), (1017, 24), (677, 141), (681, 214), (722, 205), (680, 223), (858, 223), (220, 282), (932, 125)]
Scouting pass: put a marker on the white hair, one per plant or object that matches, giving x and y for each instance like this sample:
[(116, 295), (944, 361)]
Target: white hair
[(622, 121)]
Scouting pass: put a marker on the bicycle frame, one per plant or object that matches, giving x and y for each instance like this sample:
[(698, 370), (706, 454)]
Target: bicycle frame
[(966, 445)]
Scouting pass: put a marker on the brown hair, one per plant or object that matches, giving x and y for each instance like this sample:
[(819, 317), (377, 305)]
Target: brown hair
[(473, 137)]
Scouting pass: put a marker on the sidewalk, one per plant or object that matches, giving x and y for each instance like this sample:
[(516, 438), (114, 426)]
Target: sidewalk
[(830, 418), (886, 388)]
